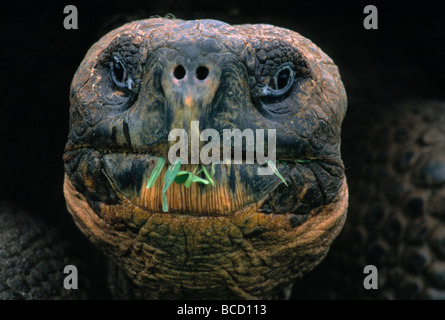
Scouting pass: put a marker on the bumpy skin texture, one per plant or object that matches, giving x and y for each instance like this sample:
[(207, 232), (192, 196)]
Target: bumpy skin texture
[(397, 208), (250, 236), (32, 259)]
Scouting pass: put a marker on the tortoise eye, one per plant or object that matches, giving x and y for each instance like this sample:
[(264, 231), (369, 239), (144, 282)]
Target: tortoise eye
[(281, 80), (120, 75), (279, 84), (119, 72)]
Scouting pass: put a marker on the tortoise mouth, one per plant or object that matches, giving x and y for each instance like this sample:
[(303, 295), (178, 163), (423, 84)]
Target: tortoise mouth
[(233, 187), (112, 177)]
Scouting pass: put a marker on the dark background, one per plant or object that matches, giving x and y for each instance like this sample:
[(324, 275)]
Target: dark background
[(403, 59)]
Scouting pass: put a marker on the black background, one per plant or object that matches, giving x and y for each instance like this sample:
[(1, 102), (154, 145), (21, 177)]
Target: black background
[(404, 58)]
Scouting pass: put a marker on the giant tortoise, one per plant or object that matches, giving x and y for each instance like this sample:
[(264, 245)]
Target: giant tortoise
[(221, 230)]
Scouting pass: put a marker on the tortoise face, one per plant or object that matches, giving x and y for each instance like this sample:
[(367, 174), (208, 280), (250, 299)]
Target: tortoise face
[(247, 236)]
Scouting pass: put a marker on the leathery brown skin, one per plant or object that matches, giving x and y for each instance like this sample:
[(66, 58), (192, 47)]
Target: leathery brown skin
[(250, 236)]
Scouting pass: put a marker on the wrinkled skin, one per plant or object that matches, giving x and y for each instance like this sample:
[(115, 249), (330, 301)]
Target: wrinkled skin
[(396, 208), (250, 236)]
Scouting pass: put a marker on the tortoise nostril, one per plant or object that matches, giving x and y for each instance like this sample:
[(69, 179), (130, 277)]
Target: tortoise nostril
[(202, 72), (179, 72)]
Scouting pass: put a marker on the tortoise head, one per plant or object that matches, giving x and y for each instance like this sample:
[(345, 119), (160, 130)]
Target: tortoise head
[(246, 234)]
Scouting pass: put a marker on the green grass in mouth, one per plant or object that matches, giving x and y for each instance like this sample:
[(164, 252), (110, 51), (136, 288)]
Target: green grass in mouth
[(303, 160), (156, 172), (173, 174)]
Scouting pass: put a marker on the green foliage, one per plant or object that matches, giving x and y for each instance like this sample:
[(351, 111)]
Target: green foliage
[(173, 174), (156, 172), (303, 160), (275, 170), (169, 177)]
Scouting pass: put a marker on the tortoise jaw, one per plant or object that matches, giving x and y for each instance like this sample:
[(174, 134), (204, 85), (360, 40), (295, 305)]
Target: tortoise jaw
[(116, 177), (235, 186), (240, 249)]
